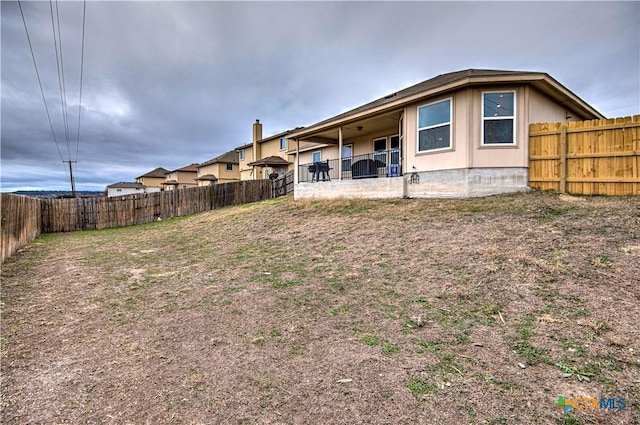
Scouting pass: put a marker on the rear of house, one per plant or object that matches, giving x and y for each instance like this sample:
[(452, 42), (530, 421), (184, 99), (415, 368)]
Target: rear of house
[(221, 169), (181, 178), (459, 134), (266, 156)]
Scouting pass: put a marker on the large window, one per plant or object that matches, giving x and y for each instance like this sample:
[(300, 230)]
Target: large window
[(434, 126), (316, 157), (498, 118)]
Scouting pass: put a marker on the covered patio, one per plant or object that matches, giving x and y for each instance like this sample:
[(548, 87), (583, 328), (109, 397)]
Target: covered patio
[(368, 146)]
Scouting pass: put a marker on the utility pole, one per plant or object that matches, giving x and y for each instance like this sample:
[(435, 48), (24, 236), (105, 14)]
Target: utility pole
[(73, 183)]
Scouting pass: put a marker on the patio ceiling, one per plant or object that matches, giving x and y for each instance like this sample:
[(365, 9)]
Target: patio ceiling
[(357, 128)]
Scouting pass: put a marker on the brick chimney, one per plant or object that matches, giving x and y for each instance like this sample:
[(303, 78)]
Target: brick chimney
[(257, 131), (257, 135)]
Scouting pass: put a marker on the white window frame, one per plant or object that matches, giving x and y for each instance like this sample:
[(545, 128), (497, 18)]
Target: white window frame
[(449, 123), (283, 140), (229, 166), (241, 154), (313, 154), (502, 117)]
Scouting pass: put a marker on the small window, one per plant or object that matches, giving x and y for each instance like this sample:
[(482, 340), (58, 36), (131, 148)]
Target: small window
[(229, 167), (498, 118), (316, 156), (241, 154), (434, 126), (283, 170), (283, 143)]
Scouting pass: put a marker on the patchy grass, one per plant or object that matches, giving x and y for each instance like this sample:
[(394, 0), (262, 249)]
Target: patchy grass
[(433, 311)]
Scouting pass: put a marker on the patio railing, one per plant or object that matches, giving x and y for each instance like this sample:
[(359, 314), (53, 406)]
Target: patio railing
[(371, 165)]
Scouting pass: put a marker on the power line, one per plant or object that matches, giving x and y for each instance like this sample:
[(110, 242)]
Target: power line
[(39, 81), (57, 44), (84, 14), (60, 68)]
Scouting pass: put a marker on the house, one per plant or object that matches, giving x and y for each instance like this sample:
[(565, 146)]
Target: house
[(221, 169), (153, 178), (182, 178), (459, 134), (129, 188), (264, 156)]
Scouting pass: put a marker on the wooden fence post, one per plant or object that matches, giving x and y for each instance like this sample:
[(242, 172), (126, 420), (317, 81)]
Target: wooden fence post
[(563, 159)]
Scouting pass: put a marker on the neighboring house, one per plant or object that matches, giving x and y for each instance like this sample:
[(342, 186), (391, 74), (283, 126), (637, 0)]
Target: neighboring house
[(182, 178), (221, 169), (262, 157), (129, 188), (154, 178), (459, 134)]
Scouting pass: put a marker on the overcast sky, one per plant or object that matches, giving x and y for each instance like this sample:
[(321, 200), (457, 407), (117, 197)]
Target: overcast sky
[(167, 84)]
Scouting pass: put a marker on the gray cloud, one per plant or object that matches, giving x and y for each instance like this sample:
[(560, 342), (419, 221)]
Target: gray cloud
[(171, 83)]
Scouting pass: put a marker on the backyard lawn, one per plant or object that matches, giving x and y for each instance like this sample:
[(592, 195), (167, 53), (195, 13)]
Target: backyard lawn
[(478, 311)]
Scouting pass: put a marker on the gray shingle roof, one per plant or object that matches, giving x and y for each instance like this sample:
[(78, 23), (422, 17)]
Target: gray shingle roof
[(231, 157)]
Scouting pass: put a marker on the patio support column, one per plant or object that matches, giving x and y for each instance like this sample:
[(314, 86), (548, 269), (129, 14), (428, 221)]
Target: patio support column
[(339, 153), (296, 163)]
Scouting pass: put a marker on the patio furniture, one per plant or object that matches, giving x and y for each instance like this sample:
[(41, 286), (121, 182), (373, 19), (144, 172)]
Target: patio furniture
[(313, 170), (319, 171), (323, 171), (393, 170), (366, 168)]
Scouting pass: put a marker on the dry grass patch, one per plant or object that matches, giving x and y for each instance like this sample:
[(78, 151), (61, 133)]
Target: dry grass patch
[(408, 311)]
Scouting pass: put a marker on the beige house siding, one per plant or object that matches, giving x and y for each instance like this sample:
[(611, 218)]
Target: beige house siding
[(245, 169), (467, 150), (151, 181), (185, 180), (457, 156), (544, 109), (499, 156), (226, 176), (330, 152), (271, 147)]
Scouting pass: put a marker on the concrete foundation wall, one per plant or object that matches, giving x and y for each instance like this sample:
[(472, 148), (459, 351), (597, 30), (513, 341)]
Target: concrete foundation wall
[(494, 181), (376, 188), (458, 183)]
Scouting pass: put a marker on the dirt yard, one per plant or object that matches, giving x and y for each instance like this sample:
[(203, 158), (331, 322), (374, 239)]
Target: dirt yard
[(481, 311)]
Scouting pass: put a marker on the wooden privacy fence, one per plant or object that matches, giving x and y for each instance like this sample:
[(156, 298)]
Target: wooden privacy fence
[(283, 185), (597, 157), (66, 215), (24, 218), (21, 221)]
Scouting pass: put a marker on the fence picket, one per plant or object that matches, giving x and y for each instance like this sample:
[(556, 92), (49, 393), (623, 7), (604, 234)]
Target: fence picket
[(602, 156)]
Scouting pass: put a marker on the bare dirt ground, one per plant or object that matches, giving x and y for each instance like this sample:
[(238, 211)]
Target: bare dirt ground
[(481, 311)]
